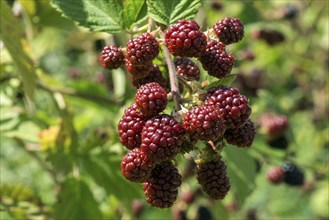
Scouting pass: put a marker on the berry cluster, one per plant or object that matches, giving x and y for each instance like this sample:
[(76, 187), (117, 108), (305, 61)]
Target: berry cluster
[(274, 127), (288, 173), (214, 115)]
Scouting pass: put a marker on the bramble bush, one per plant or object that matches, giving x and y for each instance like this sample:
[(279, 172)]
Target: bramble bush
[(163, 109)]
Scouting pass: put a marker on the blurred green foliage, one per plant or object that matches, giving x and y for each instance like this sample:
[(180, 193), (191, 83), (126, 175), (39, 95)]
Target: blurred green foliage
[(60, 153)]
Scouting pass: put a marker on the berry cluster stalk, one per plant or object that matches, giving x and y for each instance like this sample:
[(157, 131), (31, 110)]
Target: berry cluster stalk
[(173, 79)]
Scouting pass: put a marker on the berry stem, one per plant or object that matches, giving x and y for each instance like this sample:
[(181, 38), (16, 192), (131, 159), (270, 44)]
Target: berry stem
[(173, 78)]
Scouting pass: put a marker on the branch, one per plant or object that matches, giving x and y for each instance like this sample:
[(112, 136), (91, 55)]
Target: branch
[(173, 78), (71, 92)]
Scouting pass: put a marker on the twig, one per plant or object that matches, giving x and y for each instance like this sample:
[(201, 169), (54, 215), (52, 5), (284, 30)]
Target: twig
[(38, 159), (71, 92), (172, 77)]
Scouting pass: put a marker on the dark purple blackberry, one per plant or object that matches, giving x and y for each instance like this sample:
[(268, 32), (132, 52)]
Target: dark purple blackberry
[(154, 75), (151, 98), (241, 137), (130, 127), (139, 71), (161, 138), (293, 175), (203, 213), (251, 82), (161, 188), (275, 175), (229, 30), (280, 142), (271, 37), (231, 103), (135, 166), (111, 57), (204, 123), (187, 68), (142, 49), (212, 176), (215, 60), (185, 39)]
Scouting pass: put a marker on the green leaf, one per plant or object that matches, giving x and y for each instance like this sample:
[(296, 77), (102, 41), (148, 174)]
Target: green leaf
[(169, 11), (106, 173), (241, 170), (226, 81), (76, 201), (100, 15), (133, 11), (11, 33)]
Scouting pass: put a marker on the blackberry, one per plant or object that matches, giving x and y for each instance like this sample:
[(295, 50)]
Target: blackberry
[(151, 98), (241, 137), (161, 138), (137, 207), (204, 123), (275, 175), (212, 177), (161, 188), (179, 214), (203, 213), (273, 125), (185, 39), (280, 142), (215, 60), (229, 30), (271, 37), (154, 75), (111, 57), (142, 49), (135, 166), (231, 103), (251, 82), (187, 69), (139, 71), (293, 175), (130, 127)]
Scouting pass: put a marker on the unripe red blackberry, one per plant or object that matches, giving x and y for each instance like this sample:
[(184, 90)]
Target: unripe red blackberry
[(130, 127), (229, 30), (293, 175), (135, 166), (151, 98), (241, 137), (273, 125), (231, 103), (161, 188), (139, 71), (204, 123), (161, 138), (215, 60), (154, 75), (187, 68), (142, 49), (185, 39), (111, 57), (137, 207), (275, 175), (212, 176)]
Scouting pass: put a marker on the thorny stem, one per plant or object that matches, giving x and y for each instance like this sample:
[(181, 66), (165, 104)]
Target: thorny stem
[(172, 77)]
